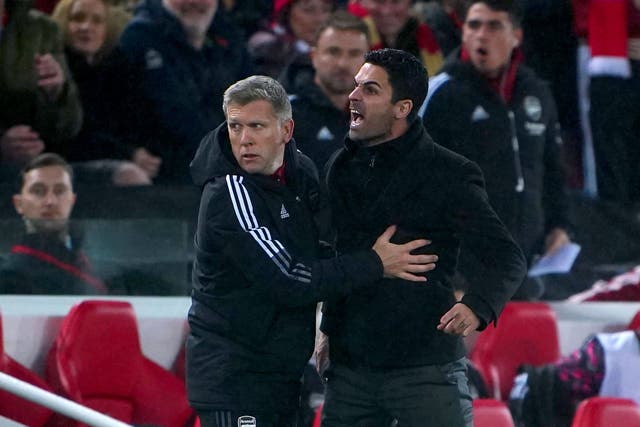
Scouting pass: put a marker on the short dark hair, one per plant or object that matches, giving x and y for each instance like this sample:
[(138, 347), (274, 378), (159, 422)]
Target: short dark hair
[(511, 7), (407, 75), (42, 161), (342, 20)]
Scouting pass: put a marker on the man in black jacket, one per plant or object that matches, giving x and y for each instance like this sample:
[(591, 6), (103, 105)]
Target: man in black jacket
[(181, 57), (256, 277), (490, 108), (321, 107), (48, 259), (395, 349)]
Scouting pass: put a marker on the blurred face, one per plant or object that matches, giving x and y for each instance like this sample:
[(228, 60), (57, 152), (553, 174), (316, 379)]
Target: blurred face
[(372, 112), (336, 58), (307, 16), (195, 15), (257, 137), (389, 16), (489, 37), (87, 26), (46, 199)]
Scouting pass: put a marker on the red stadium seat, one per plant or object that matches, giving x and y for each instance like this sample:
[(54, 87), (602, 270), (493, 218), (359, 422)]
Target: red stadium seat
[(527, 333), (491, 413), (16, 408), (607, 412), (96, 360)]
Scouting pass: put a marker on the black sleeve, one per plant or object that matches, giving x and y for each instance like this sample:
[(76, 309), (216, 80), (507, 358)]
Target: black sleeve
[(238, 224), (498, 261)]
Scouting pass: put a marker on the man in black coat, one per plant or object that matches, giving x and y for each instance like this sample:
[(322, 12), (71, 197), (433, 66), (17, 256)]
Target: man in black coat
[(321, 107), (257, 275), (49, 259), (489, 107), (396, 349)]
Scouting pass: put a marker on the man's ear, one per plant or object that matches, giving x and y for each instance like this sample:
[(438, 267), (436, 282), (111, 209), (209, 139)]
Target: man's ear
[(403, 108), (287, 129), (517, 37), (17, 203)]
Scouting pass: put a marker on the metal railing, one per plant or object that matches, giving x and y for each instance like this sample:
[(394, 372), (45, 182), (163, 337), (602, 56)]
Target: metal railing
[(56, 403)]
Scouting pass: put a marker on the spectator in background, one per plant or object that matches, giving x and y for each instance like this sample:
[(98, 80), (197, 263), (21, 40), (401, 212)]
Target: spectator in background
[(607, 364), (613, 29), (444, 17), (282, 51), (179, 62), (321, 107), (90, 30), (39, 105), (49, 259), (391, 25), (490, 108)]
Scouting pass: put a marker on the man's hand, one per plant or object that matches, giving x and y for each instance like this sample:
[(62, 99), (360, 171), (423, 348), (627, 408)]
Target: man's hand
[(49, 75), (147, 161), (321, 352), (554, 240), (398, 261), (19, 144), (459, 320)]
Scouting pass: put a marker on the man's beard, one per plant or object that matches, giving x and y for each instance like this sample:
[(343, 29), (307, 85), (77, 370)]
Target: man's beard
[(46, 225)]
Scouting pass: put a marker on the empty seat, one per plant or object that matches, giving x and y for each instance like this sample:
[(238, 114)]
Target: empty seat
[(96, 360), (491, 413), (17, 408), (527, 333), (607, 412)]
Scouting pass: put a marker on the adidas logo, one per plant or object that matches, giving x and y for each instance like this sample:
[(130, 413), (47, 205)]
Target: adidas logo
[(283, 213), (479, 114)]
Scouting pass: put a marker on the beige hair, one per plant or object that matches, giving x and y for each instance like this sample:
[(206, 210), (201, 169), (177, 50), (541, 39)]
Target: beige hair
[(116, 19)]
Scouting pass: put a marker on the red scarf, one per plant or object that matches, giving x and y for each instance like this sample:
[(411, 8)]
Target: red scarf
[(505, 82), (278, 175), (71, 269)]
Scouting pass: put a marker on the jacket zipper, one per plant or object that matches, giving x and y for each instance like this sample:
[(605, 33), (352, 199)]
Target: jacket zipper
[(515, 145)]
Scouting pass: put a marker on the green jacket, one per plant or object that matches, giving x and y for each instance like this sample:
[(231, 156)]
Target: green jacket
[(27, 33)]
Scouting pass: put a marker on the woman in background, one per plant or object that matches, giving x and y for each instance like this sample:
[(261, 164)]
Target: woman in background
[(91, 29)]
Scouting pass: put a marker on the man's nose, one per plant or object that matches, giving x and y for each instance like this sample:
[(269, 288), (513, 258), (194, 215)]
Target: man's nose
[(246, 137), (355, 94), (50, 198)]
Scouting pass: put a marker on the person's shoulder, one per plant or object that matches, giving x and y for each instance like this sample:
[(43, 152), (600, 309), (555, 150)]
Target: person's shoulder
[(39, 21)]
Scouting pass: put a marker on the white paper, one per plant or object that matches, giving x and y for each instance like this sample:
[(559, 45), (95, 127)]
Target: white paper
[(558, 262)]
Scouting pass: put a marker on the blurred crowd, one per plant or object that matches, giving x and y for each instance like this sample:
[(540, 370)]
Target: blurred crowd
[(125, 91)]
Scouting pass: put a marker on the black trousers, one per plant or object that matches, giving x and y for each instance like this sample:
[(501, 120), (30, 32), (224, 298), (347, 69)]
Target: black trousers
[(615, 125), (427, 396), (247, 419)]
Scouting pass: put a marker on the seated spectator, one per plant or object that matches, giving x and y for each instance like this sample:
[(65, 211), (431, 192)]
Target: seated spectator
[(179, 61), (321, 107), (285, 46), (607, 364), (39, 105), (391, 25), (91, 29), (48, 260)]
